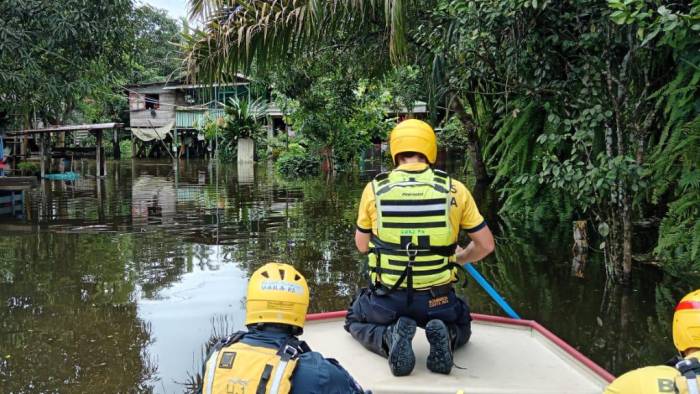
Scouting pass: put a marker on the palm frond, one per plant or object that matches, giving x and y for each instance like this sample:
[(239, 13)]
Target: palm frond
[(237, 33)]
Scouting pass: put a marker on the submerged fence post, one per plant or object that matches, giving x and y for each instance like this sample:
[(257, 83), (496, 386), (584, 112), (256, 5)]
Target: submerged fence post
[(42, 154), (99, 154)]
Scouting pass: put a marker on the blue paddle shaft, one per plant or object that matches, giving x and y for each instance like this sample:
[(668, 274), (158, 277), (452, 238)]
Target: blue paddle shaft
[(490, 290)]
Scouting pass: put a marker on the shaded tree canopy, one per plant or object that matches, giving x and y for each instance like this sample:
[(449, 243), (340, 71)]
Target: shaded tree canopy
[(52, 54), (579, 106)]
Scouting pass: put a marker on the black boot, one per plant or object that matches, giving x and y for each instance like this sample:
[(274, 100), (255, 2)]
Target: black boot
[(440, 357), (398, 338)]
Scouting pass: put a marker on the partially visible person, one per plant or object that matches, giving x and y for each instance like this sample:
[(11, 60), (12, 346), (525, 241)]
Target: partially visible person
[(269, 358), (681, 375)]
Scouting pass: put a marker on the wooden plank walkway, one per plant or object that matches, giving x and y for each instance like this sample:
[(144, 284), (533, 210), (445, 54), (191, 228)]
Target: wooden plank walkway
[(10, 183)]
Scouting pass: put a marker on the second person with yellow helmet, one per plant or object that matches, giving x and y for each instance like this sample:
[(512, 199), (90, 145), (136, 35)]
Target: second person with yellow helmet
[(408, 222)]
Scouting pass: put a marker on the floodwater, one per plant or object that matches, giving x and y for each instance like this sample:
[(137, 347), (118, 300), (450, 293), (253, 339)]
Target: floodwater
[(115, 285)]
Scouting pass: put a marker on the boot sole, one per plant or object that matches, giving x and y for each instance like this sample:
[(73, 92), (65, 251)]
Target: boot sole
[(402, 360), (440, 357)]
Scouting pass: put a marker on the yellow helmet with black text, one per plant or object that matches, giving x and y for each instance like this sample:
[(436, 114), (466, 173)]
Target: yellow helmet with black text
[(413, 135), (686, 322), (277, 293)]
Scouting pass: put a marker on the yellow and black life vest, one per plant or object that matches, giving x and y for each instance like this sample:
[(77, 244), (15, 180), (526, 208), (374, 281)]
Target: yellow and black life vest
[(414, 243), (234, 367)]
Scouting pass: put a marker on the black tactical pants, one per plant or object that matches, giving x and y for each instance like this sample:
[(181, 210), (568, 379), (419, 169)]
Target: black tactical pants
[(370, 314)]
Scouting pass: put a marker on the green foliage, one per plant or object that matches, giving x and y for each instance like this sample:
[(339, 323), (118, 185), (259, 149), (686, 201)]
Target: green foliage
[(677, 163), (452, 136), (125, 149), (404, 84), (296, 162), (52, 54), (275, 145), (213, 129), (154, 56), (236, 34), (575, 105), (511, 149), (28, 167), (334, 109), (244, 119), (673, 25)]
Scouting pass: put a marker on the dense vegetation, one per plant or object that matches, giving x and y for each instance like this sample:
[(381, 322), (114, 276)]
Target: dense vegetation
[(68, 60), (585, 106)]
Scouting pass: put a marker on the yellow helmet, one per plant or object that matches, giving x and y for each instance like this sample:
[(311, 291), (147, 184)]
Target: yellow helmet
[(277, 293), (413, 135), (686, 322)]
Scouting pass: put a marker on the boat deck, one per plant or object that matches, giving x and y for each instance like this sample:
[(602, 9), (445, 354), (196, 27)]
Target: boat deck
[(503, 356)]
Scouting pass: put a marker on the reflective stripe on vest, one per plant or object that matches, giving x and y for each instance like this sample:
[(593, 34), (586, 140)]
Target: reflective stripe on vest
[(413, 209)]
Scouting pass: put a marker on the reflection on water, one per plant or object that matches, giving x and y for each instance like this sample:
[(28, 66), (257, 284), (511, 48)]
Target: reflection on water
[(182, 314), (111, 285)]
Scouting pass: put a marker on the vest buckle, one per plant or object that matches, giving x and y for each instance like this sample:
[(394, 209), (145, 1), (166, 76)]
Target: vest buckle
[(289, 352), (411, 251)]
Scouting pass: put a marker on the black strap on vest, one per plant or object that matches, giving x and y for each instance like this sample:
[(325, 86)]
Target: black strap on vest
[(690, 369), (229, 340), (423, 249), (292, 348), (264, 378)]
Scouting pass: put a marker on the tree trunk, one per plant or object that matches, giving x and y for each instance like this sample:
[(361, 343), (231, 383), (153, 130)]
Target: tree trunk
[(579, 249), (474, 147), (327, 160), (626, 240)]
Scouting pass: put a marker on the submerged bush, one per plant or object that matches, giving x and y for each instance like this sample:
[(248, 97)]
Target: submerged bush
[(28, 167), (296, 161)]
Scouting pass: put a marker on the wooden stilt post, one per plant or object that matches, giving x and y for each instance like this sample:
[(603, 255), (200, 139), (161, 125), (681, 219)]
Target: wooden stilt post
[(98, 153), (15, 152), (100, 199), (115, 145), (42, 155), (175, 141), (24, 148), (49, 158)]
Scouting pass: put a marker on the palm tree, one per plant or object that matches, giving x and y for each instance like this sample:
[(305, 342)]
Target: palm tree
[(243, 118), (238, 33)]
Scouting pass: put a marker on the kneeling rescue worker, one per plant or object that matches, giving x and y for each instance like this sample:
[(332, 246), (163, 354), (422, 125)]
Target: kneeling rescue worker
[(679, 376), (409, 220), (269, 358)]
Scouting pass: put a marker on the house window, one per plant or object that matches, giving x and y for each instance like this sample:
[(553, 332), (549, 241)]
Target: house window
[(152, 101), (135, 101)]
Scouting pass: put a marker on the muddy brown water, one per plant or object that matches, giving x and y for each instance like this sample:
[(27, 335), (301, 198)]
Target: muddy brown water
[(114, 285)]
